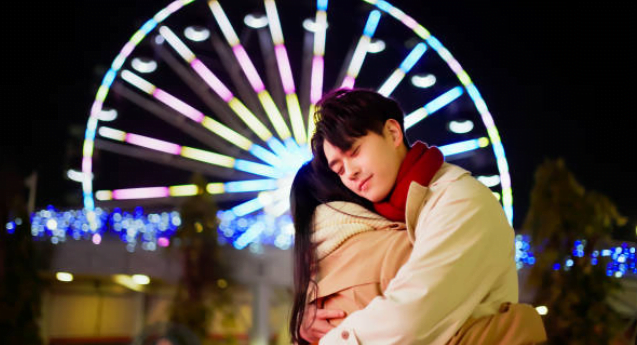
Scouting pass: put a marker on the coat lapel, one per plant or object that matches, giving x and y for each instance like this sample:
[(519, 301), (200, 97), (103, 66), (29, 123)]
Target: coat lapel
[(416, 198)]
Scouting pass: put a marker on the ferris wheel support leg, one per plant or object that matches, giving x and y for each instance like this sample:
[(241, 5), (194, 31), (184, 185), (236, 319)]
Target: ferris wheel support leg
[(260, 333)]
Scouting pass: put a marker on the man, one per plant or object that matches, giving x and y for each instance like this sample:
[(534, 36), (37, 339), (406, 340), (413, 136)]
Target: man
[(462, 265)]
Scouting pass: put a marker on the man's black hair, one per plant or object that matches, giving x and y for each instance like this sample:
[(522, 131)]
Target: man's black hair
[(344, 115)]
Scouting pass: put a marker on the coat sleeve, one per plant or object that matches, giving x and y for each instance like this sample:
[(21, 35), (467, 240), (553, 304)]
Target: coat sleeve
[(463, 244)]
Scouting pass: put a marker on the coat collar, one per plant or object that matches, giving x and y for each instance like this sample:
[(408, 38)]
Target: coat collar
[(418, 195)]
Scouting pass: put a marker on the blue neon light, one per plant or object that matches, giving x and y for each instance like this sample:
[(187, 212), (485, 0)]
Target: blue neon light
[(460, 147), (249, 236), (372, 23), (148, 26), (413, 57), (277, 147), (109, 77), (321, 5), (443, 100), (434, 43), (256, 168), (264, 155), (250, 186), (291, 145), (384, 5), (247, 207)]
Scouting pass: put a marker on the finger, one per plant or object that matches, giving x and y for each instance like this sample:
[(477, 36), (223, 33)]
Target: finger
[(321, 327), (311, 336), (326, 314)]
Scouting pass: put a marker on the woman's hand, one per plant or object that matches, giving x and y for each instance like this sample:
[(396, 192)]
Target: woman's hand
[(316, 322)]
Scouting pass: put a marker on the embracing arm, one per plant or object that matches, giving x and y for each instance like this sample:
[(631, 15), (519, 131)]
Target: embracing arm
[(463, 244)]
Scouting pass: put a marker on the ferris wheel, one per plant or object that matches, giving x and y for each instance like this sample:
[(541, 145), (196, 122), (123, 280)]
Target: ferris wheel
[(227, 89)]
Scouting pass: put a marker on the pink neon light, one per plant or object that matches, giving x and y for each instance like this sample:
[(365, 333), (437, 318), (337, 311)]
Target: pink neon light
[(284, 69), (154, 144), (455, 66), (317, 79), (348, 83), (211, 80), (128, 48), (178, 105), (97, 239), (248, 68), (163, 242), (140, 193), (96, 108), (174, 6), (86, 164), (409, 22)]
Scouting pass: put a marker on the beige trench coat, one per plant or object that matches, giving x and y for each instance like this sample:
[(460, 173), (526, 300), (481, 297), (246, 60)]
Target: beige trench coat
[(460, 272)]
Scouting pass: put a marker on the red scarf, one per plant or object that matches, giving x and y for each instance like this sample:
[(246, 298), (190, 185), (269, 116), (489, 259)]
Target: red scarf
[(420, 165)]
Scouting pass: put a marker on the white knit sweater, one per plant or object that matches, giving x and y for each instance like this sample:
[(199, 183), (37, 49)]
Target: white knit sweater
[(337, 221)]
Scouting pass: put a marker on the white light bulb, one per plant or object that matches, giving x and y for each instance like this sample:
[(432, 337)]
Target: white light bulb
[(542, 310)]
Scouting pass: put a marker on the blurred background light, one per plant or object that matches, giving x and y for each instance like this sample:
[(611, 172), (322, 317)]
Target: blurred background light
[(311, 25), (542, 310), (196, 33), (423, 81), (144, 65), (376, 46), (64, 277), (107, 115), (141, 279), (256, 21), (460, 127)]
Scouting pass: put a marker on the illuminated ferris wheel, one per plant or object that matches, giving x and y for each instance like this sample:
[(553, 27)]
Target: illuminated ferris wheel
[(212, 87)]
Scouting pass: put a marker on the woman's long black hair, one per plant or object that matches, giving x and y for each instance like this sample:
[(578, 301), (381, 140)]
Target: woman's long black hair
[(311, 187)]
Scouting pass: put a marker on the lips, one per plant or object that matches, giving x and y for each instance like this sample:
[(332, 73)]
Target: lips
[(363, 184)]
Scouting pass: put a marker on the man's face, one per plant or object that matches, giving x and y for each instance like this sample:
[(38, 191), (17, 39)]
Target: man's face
[(370, 167)]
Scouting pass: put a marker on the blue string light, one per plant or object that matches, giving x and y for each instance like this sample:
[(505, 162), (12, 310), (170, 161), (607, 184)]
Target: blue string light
[(153, 230), (621, 259)]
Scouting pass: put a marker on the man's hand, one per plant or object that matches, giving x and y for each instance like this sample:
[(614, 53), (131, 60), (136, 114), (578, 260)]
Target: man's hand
[(316, 322)]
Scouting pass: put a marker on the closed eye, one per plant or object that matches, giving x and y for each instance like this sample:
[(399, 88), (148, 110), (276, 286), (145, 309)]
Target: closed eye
[(356, 150)]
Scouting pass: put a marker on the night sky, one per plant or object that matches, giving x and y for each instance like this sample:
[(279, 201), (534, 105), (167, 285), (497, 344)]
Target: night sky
[(556, 76)]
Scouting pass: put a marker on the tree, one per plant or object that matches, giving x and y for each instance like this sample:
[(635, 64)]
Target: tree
[(570, 281), (202, 287), (20, 286)]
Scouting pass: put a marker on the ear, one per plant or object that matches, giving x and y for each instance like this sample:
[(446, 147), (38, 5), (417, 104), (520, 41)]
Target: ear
[(395, 132)]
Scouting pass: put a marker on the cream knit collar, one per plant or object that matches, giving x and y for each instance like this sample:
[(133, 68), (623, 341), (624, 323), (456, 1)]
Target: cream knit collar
[(337, 221)]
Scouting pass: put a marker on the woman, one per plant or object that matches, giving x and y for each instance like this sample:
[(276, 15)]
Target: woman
[(340, 262)]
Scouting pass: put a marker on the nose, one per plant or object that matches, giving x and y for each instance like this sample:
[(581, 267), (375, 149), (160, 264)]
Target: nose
[(352, 170)]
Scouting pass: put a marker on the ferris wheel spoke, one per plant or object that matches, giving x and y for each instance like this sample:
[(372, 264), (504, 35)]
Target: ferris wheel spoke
[(201, 85), (169, 160), (408, 63), (213, 188), (209, 123), (215, 84), (318, 62), (170, 116), (285, 72), (240, 54), (204, 156), (356, 62), (464, 146), (433, 106), (266, 199)]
